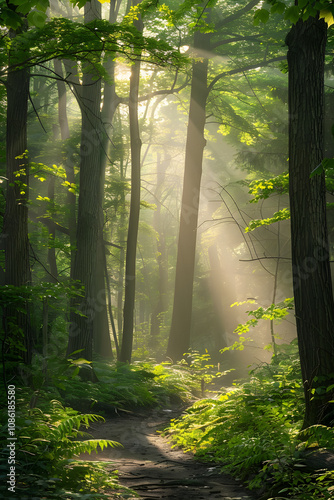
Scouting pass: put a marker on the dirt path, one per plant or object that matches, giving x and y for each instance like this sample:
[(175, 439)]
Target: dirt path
[(148, 465)]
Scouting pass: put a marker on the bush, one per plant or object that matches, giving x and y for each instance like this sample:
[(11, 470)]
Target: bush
[(46, 442), (253, 431)]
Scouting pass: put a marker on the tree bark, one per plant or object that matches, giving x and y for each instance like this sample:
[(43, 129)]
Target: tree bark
[(89, 208), (179, 338), (121, 238), (161, 304), (131, 247), (15, 227), (68, 163), (102, 343), (310, 256)]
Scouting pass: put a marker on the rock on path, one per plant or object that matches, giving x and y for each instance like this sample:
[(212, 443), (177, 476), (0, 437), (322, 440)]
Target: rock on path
[(148, 465)]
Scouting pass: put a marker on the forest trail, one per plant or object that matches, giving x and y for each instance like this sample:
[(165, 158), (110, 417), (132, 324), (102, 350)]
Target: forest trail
[(148, 465)]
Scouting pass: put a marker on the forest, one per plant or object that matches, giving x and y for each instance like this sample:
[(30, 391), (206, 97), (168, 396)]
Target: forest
[(167, 239)]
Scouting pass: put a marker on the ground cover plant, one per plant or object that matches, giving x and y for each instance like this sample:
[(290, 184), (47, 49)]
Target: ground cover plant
[(51, 434), (120, 385), (48, 440), (253, 431)]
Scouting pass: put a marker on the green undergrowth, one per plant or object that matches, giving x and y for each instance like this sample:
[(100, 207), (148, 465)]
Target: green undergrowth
[(51, 435), (253, 431), (122, 386), (53, 411), (43, 463)]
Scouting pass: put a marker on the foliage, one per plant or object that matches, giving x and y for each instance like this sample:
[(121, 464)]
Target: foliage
[(47, 438), (13, 300), (15, 13), (274, 312), (200, 366), (278, 216), (303, 9), (261, 189), (120, 386), (252, 431), (62, 38)]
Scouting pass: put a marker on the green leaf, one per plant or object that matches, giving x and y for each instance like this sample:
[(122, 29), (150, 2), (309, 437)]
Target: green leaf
[(37, 18), (261, 15), (24, 8), (281, 215), (80, 361), (325, 165), (42, 5), (278, 8), (292, 14), (11, 19)]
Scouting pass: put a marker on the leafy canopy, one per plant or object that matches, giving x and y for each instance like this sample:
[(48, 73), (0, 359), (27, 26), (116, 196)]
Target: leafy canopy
[(292, 12), (16, 13), (62, 38)]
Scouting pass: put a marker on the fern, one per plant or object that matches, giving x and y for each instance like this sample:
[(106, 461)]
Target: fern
[(253, 430), (46, 444)]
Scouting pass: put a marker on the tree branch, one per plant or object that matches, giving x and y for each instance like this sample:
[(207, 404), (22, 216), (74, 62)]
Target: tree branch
[(246, 68), (237, 14)]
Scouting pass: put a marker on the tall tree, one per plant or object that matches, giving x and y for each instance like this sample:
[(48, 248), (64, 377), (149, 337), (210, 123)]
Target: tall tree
[(312, 283), (314, 307), (161, 302), (15, 228), (204, 44), (101, 332), (131, 247), (89, 209), (68, 163), (179, 338)]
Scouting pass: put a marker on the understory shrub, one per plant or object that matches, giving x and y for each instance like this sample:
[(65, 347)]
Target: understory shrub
[(122, 386), (253, 432), (49, 433), (48, 441)]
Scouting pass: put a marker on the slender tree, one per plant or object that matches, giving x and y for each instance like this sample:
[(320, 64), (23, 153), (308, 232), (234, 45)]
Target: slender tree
[(205, 42), (131, 247), (101, 333), (179, 338), (67, 160), (161, 302)]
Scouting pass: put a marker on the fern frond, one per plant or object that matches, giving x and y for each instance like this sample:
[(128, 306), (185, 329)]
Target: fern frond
[(78, 447)]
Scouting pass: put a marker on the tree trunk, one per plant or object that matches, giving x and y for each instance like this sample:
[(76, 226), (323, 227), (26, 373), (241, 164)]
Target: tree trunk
[(121, 233), (161, 304), (68, 163), (102, 343), (310, 257), (62, 109), (15, 227), (89, 209), (131, 248), (52, 261), (101, 333), (179, 338)]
